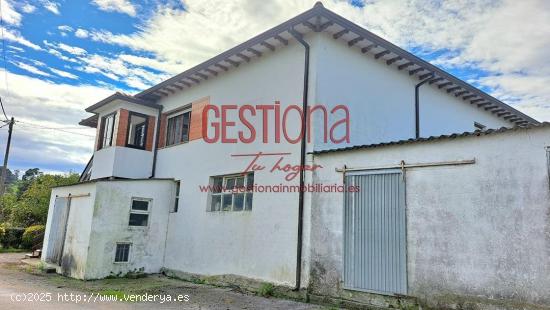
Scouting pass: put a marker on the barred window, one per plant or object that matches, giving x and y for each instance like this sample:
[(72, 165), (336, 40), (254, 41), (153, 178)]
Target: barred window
[(122, 253)]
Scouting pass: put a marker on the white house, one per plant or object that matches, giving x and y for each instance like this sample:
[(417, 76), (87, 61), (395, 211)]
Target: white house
[(144, 203)]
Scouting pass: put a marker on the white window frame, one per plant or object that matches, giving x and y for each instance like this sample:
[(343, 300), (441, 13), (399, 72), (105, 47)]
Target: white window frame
[(148, 212), (225, 191), (130, 245)]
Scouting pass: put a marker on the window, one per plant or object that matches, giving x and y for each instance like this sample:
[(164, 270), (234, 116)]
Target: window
[(122, 252), (232, 193), (139, 212), (178, 128), (479, 126), (107, 129), (177, 200), (137, 130)]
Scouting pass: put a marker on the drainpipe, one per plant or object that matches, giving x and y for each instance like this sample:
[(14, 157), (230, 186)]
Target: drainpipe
[(300, 39), (155, 151), (417, 104)]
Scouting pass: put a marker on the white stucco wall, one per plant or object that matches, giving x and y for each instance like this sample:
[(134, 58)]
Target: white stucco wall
[(260, 244), (110, 225), (381, 98), (79, 225), (472, 230)]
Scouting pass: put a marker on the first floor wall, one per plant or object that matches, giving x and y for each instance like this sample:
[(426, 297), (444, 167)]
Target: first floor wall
[(471, 230), (110, 227), (259, 243)]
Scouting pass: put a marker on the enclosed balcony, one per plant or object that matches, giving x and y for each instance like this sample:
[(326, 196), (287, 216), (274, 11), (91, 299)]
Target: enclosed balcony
[(125, 134)]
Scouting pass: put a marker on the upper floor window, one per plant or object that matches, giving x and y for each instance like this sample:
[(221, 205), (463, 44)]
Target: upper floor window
[(137, 130), (177, 130), (107, 130)]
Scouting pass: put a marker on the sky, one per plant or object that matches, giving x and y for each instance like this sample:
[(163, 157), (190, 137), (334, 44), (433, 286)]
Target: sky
[(61, 56)]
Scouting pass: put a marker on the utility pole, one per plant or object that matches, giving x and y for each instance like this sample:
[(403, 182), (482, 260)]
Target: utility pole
[(5, 166)]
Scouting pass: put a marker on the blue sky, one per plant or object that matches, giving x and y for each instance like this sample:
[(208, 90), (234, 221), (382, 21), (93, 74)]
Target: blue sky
[(62, 56)]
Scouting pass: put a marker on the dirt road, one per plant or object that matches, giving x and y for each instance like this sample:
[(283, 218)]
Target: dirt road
[(22, 287)]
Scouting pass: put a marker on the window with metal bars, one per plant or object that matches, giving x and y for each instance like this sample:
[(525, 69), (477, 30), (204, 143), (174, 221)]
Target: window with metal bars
[(122, 252)]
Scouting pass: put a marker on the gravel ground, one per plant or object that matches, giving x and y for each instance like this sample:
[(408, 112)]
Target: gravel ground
[(19, 281)]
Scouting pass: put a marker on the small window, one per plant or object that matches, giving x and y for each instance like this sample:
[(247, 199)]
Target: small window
[(139, 212), (177, 130), (479, 126), (122, 253), (107, 130), (177, 199), (232, 193), (137, 130)]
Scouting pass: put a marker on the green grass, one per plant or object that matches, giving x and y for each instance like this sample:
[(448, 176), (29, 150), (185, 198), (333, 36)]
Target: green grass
[(12, 250)]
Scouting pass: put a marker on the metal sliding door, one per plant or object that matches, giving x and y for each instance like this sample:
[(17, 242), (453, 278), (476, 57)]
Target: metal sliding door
[(375, 232), (58, 229)]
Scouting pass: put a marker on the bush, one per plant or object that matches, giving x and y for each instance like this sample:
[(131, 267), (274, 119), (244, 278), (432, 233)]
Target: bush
[(11, 237), (32, 236), (266, 290), (2, 233)]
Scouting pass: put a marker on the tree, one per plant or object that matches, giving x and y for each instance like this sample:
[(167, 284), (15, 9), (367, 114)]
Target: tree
[(28, 177), (30, 207)]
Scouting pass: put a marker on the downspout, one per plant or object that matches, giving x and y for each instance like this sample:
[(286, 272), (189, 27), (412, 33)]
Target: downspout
[(155, 145), (300, 39), (417, 104)]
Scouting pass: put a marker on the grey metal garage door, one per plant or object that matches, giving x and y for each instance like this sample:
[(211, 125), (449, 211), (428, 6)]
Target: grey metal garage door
[(58, 229), (375, 232)]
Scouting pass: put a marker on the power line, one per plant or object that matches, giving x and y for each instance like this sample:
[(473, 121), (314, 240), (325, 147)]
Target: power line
[(53, 128)]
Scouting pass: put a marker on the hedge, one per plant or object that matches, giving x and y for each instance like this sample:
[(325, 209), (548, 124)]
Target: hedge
[(32, 236), (11, 237)]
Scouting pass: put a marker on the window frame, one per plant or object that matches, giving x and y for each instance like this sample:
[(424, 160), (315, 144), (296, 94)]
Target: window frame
[(129, 256), (130, 114), (175, 207), (224, 191), (148, 212), (102, 130), (179, 112)]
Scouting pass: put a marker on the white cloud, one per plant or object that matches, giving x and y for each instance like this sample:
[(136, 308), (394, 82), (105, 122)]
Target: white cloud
[(31, 69), (14, 36), (64, 73), (49, 105), (73, 50), (81, 33), (121, 6), (65, 28), (51, 6), (28, 8), (9, 14)]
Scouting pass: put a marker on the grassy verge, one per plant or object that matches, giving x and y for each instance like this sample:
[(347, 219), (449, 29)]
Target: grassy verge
[(12, 250)]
